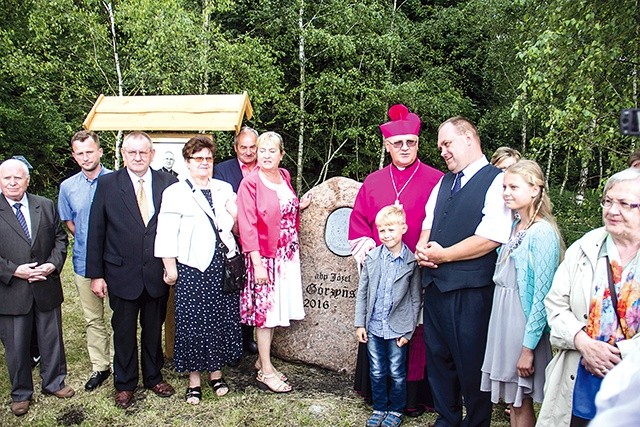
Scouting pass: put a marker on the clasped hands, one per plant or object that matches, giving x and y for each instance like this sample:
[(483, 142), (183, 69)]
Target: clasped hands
[(32, 272), (598, 357), (430, 254)]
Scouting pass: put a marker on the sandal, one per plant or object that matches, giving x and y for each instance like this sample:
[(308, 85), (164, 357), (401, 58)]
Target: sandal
[(375, 420), (280, 375), (193, 395), (272, 382), (219, 386), (393, 419)]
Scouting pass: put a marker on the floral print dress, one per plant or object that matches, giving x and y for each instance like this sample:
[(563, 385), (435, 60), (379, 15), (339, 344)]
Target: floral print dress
[(279, 301)]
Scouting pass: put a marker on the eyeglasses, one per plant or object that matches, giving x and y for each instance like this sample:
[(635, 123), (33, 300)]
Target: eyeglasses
[(623, 206), (200, 159), (134, 153), (398, 144)]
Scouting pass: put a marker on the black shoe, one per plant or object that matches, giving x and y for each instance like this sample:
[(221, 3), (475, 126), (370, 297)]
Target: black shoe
[(34, 361), (250, 346), (96, 378), (248, 343)]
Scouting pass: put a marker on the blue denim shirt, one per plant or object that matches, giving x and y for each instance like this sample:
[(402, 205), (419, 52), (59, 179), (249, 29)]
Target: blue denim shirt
[(74, 204), (379, 322)]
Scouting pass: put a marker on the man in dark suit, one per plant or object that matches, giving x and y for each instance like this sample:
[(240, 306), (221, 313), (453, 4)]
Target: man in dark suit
[(122, 232), (466, 220), (232, 171), (32, 254)]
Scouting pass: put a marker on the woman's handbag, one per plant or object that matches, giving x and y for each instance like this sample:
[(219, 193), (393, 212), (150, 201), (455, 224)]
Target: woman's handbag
[(235, 271), (585, 389), (235, 274), (587, 385)]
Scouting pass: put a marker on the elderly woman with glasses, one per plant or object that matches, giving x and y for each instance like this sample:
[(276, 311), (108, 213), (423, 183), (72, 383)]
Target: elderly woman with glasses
[(593, 306), (207, 333)]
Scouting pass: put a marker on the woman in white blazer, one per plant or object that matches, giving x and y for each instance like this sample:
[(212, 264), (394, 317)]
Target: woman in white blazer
[(208, 334)]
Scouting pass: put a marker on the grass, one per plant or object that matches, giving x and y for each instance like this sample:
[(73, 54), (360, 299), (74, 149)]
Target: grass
[(320, 398)]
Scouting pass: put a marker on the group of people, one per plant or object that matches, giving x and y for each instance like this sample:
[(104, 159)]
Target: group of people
[(495, 291), (137, 232), (463, 287)]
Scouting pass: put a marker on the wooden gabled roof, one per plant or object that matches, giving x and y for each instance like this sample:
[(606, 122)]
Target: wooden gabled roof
[(169, 113)]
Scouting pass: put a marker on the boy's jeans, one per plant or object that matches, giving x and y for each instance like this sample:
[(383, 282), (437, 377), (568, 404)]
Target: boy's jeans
[(387, 359)]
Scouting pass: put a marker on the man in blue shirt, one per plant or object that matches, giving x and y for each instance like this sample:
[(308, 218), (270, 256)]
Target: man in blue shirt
[(74, 204)]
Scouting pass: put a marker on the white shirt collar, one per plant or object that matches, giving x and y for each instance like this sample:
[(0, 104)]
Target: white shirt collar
[(24, 201), (135, 178), (473, 168)]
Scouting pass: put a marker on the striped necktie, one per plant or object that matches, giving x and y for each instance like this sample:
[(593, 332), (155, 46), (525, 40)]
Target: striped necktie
[(22, 220)]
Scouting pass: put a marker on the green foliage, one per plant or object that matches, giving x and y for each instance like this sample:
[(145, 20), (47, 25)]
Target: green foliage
[(575, 219), (558, 71), (578, 76)]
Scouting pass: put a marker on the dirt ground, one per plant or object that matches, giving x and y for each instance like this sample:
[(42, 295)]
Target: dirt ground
[(307, 380)]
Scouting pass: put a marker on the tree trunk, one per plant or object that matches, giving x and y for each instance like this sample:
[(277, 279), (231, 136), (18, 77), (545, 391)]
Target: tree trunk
[(112, 26), (523, 136), (634, 80), (389, 74), (584, 167), (204, 48), (301, 129), (600, 165), (565, 178), (582, 183), (549, 162)]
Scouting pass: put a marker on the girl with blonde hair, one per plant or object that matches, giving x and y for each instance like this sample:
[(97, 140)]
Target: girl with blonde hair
[(518, 347)]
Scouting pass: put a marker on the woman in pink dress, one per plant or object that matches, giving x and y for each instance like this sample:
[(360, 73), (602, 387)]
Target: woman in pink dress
[(268, 220)]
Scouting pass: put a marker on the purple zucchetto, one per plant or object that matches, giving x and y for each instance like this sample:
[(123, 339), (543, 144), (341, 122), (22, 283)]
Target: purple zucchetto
[(402, 122)]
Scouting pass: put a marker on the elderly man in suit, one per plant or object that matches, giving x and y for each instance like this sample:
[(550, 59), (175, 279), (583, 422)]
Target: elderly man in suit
[(232, 171), (122, 232), (32, 254)]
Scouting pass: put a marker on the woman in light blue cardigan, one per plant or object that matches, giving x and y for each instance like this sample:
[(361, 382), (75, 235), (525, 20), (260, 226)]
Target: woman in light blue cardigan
[(518, 347)]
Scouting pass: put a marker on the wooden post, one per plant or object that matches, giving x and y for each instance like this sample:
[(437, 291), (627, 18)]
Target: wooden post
[(170, 325)]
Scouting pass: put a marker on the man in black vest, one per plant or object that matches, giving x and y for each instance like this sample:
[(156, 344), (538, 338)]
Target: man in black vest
[(466, 220)]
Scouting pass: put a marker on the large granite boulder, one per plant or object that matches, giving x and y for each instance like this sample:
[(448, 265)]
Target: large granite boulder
[(329, 280)]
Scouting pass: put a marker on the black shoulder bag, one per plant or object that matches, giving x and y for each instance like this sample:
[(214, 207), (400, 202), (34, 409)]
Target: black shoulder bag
[(235, 271)]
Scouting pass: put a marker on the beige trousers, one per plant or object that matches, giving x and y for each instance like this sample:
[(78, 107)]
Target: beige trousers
[(97, 315)]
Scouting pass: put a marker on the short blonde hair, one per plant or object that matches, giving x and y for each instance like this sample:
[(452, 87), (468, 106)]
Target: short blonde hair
[(391, 215), (273, 137)]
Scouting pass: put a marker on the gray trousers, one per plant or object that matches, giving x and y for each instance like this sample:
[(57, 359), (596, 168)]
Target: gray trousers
[(15, 332)]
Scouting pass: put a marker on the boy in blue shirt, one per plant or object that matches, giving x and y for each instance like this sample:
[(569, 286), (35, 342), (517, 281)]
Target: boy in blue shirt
[(387, 307)]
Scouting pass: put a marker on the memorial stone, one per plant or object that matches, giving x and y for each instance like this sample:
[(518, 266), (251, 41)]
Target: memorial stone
[(326, 337)]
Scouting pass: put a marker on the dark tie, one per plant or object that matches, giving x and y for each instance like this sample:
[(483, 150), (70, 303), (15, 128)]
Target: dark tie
[(22, 220), (458, 184)]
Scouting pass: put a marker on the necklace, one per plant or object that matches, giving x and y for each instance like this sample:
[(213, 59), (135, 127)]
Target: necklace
[(397, 202)]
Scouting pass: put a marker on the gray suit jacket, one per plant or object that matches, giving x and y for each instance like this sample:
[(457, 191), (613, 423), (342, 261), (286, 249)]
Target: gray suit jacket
[(407, 293), (48, 244)]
